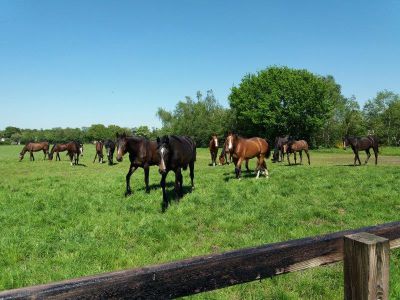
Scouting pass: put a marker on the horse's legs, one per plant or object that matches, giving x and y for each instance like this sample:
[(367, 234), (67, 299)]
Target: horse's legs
[(95, 156), (376, 155), (295, 158), (308, 156), (178, 182), (146, 178), (191, 169), (71, 156), (288, 155), (358, 157), (132, 168), (301, 157), (44, 151), (164, 204), (247, 166), (368, 155), (238, 168), (33, 158)]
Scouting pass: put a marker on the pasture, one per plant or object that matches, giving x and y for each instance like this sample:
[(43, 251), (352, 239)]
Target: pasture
[(60, 222)]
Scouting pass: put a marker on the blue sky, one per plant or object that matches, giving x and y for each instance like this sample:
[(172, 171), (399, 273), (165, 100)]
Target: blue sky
[(77, 63)]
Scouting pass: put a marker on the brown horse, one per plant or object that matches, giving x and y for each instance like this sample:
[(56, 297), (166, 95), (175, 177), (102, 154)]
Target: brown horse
[(74, 150), (34, 147), (297, 146), (57, 148), (176, 153), (362, 143), (223, 159), (99, 152), (142, 153), (213, 146), (245, 149)]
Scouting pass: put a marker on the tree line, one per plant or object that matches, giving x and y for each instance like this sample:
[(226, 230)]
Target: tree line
[(273, 102)]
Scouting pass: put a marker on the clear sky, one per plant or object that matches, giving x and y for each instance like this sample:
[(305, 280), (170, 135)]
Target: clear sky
[(77, 63)]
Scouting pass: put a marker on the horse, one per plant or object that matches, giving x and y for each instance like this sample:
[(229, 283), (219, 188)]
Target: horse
[(280, 148), (99, 152), (74, 149), (297, 146), (362, 143), (110, 148), (245, 149), (224, 159), (213, 146), (142, 153), (175, 152), (34, 147), (57, 148)]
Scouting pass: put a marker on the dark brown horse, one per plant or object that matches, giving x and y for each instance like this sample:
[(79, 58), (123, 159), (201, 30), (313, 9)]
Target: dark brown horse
[(142, 154), (245, 149), (110, 148), (99, 152), (57, 148), (34, 147), (297, 146), (74, 150), (175, 152), (362, 143), (213, 146), (280, 148)]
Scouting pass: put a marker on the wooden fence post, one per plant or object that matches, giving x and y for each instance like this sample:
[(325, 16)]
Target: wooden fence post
[(366, 267)]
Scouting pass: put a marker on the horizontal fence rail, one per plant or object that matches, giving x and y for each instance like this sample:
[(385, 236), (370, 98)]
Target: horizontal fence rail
[(206, 273)]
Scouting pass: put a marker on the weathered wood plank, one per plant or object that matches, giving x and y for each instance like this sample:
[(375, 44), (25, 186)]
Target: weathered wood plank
[(205, 273), (366, 267)]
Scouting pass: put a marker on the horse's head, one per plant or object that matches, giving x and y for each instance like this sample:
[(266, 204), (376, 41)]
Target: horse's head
[(50, 155), (229, 142), (345, 142), (215, 140), (81, 149), (121, 146), (21, 155), (163, 152)]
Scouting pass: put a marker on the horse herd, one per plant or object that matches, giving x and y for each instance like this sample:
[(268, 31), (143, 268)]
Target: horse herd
[(174, 153)]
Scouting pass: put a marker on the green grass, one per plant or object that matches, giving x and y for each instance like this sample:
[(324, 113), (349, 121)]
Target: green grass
[(60, 222)]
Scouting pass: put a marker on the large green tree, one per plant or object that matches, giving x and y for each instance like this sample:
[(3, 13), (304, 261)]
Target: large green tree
[(280, 100)]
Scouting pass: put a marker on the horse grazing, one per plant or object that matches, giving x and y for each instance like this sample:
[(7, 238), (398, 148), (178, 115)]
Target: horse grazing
[(245, 149), (74, 149), (34, 147), (110, 148), (142, 153), (297, 146), (213, 146), (362, 143), (99, 152), (57, 148), (175, 152), (280, 148)]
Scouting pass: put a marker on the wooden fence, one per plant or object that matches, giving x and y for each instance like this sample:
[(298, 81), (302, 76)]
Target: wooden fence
[(363, 253)]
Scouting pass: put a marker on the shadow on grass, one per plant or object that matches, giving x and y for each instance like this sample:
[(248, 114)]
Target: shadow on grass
[(80, 165)]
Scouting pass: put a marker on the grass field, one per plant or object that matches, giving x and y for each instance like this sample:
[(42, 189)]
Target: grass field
[(59, 222)]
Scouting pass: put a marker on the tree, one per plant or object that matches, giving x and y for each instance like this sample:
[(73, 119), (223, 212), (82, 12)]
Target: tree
[(198, 118), (10, 130), (380, 114), (280, 100)]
